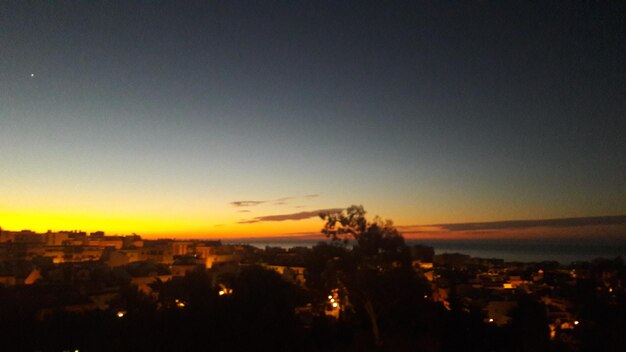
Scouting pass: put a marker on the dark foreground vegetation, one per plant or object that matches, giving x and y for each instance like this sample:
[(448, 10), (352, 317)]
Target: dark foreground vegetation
[(369, 297)]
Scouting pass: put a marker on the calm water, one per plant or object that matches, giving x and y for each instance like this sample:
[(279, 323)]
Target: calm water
[(563, 251)]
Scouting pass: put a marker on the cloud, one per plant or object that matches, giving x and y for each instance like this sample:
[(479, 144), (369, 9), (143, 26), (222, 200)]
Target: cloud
[(597, 227), (243, 211), (247, 203), (419, 229), (282, 237), (522, 224), (295, 216), (278, 201)]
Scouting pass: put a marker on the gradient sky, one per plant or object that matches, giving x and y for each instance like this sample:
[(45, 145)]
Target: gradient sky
[(155, 117)]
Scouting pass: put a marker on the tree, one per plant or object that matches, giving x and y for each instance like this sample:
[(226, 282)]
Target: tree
[(380, 278), (340, 226), (378, 242), (324, 267)]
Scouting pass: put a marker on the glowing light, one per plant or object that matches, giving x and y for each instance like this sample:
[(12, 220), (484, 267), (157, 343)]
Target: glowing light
[(330, 297), (335, 305), (491, 320), (137, 217), (576, 322), (224, 290), (121, 313), (332, 300)]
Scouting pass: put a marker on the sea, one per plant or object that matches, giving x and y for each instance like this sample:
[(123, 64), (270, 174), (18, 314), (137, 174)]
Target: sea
[(564, 251)]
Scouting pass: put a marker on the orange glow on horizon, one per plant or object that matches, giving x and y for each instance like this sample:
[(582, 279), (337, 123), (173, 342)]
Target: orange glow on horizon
[(226, 224), (151, 226)]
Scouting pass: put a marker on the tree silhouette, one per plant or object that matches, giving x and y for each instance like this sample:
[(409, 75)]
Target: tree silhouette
[(377, 278)]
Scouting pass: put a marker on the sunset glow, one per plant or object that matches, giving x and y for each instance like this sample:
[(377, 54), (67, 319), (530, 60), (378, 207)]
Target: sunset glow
[(216, 127)]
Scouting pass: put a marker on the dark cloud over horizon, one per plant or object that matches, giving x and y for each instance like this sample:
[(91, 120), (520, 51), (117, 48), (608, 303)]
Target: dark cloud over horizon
[(523, 224), (295, 216)]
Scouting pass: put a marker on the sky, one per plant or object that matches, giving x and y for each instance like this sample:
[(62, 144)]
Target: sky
[(248, 118)]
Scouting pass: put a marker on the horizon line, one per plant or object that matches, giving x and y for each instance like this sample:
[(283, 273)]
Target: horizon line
[(461, 226)]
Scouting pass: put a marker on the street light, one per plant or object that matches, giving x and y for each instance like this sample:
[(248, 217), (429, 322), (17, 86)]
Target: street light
[(224, 290)]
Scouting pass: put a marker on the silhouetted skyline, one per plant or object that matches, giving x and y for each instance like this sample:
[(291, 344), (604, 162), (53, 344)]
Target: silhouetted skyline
[(206, 118)]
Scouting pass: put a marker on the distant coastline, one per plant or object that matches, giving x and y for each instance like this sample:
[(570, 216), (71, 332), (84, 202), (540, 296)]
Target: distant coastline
[(564, 240), (564, 251)]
